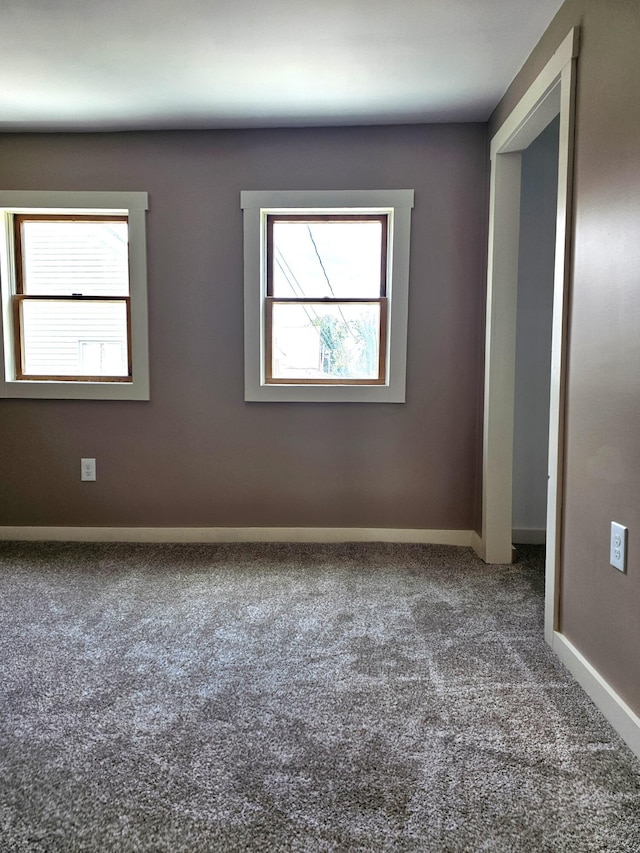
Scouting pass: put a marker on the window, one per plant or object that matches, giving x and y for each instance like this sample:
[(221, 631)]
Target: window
[(74, 312), (326, 299), (326, 286)]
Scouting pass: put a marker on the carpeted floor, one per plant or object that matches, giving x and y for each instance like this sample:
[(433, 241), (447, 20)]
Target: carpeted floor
[(295, 698)]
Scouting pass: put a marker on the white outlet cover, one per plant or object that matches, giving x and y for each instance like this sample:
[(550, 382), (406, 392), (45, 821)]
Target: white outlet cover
[(88, 470), (618, 548)]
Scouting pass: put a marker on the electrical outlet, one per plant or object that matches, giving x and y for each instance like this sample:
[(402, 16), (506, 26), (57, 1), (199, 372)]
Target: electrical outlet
[(87, 470), (618, 547)]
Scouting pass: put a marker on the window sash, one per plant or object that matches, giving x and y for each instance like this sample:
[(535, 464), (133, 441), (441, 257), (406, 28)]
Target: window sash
[(269, 379), (19, 253), (24, 293), (18, 301), (271, 300), (382, 218)]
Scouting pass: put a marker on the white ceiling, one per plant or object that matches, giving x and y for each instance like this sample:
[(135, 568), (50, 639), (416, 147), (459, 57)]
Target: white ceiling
[(133, 64)]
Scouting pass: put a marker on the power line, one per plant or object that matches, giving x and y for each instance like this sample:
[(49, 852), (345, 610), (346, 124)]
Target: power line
[(315, 320), (324, 272), (282, 260)]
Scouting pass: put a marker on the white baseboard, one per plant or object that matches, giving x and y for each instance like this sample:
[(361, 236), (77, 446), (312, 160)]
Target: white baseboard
[(528, 536), (623, 719), (238, 534)]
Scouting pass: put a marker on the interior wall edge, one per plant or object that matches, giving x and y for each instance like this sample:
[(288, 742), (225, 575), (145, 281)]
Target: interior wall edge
[(529, 535)]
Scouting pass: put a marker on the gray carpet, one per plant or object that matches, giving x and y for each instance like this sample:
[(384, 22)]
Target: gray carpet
[(295, 698)]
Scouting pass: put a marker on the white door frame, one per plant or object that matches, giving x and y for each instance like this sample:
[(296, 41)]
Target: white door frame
[(551, 94)]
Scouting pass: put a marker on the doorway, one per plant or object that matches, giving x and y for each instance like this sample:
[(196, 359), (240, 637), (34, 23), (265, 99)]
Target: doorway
[(551, 95), (534, 316)]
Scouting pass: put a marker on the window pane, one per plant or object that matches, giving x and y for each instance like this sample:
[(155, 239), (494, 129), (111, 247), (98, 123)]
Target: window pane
[(340, 259), (64, 257), (319, 341), (74, 338)]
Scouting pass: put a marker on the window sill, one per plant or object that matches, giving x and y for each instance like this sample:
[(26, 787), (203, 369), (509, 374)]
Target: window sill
[(323, 393), (57, 390)]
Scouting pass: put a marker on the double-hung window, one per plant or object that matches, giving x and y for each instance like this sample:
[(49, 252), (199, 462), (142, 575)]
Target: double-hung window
[(74, 295), (326, 302), (326, 287)]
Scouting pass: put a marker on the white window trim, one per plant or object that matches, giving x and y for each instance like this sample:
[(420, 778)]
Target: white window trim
[(133, 205), (256, 206)]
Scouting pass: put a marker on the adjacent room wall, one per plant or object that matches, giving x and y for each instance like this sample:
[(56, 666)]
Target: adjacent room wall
[(539, 193), (197, 454), (599, 606)]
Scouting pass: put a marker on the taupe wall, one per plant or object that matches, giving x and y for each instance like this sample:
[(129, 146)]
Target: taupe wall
[(600, 607), (197, 454)]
